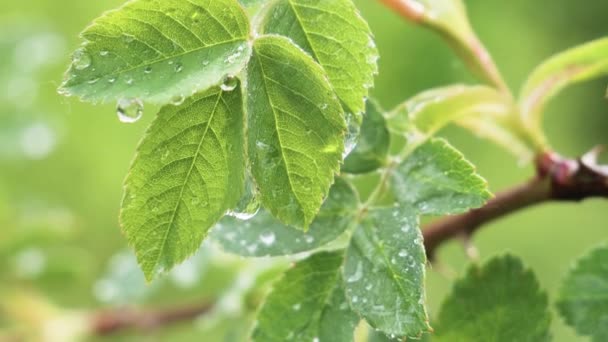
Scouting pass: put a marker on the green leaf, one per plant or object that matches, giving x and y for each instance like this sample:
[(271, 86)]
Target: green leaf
[(336, 35), (384, 272), (263, 235), (436, 179), (499, 302), (296, 130), (475, 107), (579, 64), (159, 51), (187, 173), (374, 141), (583, 298), (308, 304)]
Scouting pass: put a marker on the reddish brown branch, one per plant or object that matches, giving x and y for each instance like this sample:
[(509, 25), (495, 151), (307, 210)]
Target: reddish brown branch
[(115, 320), (557, 179)]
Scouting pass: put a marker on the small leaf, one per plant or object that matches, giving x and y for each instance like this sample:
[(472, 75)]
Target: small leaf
[(385, 270), (474, 107), (499, 302), (159, 50), (336, 35), (579, 64), (187, 172), (583, 298), (263, 235), (308, 304), (373, 144), (296, 130), (436, 179)]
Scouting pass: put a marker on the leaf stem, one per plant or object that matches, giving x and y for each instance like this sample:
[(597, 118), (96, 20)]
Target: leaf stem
[(557, 179)]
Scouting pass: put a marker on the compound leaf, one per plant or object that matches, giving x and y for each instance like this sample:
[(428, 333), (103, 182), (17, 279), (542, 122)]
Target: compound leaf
[(575, 65), (499, 302), (436, 179), (373, 144), (264, 235), (159, 51), (308, 304), (187, 173), (384, 272), (296, 130), (583, 299), (336, 35)]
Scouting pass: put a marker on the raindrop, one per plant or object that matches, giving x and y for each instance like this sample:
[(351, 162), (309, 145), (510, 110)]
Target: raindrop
[(129, 81), (93, 80), (129, 110), (148, 70), (205, 62), (249, 205), (178, 100), (268, 238), (230, 83), (352, 134), (355, 277), (403, 253), (81, 59), (112, 79), (179, 67), (103, 53)]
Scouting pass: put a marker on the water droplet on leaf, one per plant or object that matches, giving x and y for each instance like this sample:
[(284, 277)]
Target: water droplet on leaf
[(230, 83), (268, 238), (249, 205), (129, 110), (81, 59), (352, 133), (178, 100)]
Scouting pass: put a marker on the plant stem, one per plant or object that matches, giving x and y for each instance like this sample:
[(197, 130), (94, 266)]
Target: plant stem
[(557, 179), (116, 320)]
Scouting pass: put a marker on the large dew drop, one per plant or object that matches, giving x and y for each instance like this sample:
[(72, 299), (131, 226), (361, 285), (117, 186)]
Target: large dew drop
[(81, 59), (229, 83), (352, 134), (129, 110), (249, 205)]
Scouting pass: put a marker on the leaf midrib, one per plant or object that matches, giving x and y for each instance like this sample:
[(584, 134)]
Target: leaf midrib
[(274, 114), (186, 180)]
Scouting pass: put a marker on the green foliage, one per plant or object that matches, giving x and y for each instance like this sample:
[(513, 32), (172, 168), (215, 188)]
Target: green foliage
[(576, 65), (159, 51), (385, 270), (296, 130), (437, 180), (373, 144), (187, 173), (337, 37), (264, 105), (500, 301), (264, 235), (308, 304), (582, 300)]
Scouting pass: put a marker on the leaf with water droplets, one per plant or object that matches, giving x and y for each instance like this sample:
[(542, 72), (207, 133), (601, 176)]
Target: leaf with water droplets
[(251, 238), (576, 65), (308, 304), (436, 179), (384, 272), (187, 173), (155, 50), (296, 130), (373, 142), (500, 301), (336, 35), (583, 298)]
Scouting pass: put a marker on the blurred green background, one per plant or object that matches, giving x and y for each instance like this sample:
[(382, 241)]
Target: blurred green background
[(62, 163)]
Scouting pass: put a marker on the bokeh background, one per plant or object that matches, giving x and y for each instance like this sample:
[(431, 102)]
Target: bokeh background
[(62, 162)]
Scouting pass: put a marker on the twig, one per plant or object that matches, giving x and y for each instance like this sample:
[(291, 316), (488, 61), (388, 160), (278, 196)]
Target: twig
[(557, 179), (115, 320)]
